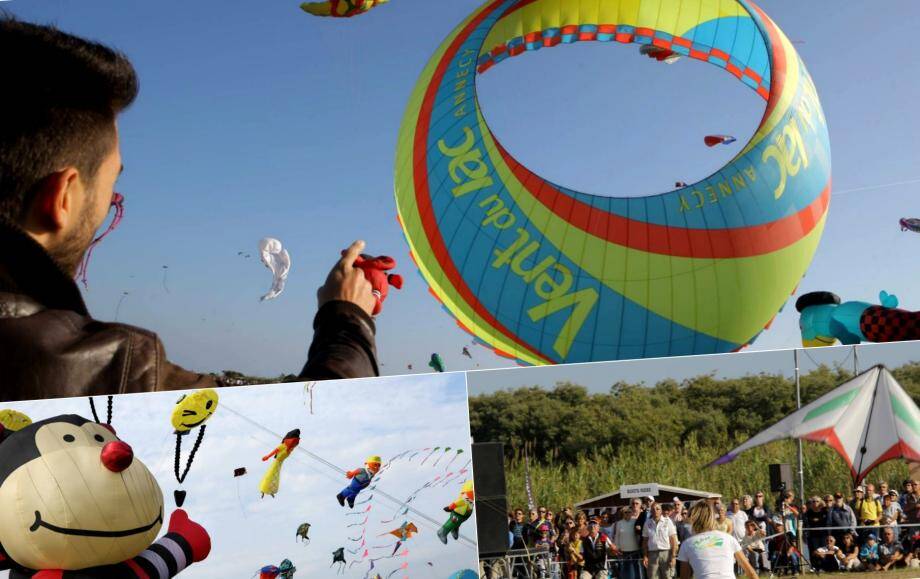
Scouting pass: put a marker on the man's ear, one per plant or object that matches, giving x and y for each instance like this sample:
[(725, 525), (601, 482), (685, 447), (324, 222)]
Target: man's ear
[(53, 202)]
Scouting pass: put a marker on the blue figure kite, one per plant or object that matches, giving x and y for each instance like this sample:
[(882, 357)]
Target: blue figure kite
[(360, 479), (825, 320)]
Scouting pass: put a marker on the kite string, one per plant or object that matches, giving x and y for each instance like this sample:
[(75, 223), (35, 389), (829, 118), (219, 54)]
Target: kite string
[(300, 449), (118, 203), (879, 186), (817, 365), (118, 307)]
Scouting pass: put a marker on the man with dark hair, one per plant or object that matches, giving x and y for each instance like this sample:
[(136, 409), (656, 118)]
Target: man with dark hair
[(59, 161)]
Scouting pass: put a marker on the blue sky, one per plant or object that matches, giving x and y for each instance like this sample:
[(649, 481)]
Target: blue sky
[(257, 119), (351, 420)]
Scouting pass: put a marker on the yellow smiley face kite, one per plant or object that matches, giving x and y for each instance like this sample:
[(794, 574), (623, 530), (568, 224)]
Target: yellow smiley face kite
[(192, 410), (13, 420)]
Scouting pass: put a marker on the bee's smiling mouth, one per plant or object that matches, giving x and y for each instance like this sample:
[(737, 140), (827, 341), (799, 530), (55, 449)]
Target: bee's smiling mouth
[(88, 533)]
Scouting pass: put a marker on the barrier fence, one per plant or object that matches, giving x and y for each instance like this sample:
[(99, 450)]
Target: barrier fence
[(792, 558)]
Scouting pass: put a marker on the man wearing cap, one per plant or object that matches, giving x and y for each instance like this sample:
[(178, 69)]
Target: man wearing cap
[(868, 511), (659, 545), (595, 548), (840, 517)]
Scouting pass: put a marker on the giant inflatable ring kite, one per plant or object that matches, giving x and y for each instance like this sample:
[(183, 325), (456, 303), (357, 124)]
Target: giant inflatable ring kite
[(543, 274)]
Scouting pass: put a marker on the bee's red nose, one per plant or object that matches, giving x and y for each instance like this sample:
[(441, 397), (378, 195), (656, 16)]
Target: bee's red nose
[(117, 456)]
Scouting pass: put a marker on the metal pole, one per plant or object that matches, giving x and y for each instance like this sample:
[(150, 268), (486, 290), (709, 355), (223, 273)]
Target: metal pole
[(855, 361), (798, 404)]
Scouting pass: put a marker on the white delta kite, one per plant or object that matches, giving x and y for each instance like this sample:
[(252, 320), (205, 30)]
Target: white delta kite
[(278, 260), (868, 420)]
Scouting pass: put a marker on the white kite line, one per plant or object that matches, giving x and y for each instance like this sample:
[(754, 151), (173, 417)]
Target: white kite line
[(873, 187), (466, 541)]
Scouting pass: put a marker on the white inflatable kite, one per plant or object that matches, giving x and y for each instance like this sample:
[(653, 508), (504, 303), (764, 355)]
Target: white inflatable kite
[(278, 260)]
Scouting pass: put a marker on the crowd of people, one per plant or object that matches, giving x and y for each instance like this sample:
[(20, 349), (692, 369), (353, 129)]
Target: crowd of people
[(876, 528)]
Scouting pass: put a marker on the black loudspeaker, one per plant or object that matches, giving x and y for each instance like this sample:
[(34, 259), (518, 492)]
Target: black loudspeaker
[(781, 477), (491, 500)]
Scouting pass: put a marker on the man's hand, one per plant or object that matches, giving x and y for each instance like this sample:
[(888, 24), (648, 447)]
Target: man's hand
[(347, 283)]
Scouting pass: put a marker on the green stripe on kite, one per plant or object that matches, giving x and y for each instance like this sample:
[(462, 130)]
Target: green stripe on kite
[(833, 404), (905, 416)]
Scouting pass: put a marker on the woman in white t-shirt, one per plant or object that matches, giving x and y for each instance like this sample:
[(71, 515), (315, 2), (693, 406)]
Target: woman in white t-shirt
[(710, 553)]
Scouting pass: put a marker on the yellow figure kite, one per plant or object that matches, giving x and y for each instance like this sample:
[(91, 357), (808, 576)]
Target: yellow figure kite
[(272, 479)]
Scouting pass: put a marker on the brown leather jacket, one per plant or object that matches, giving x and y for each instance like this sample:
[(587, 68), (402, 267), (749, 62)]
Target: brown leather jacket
[(51, 347)]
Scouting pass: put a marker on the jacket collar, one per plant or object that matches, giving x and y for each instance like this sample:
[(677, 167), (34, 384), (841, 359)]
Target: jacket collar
[(27, 269)]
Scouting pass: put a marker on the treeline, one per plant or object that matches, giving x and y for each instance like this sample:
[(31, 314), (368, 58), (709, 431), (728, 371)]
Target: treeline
[(561, 424), (234, 378)]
